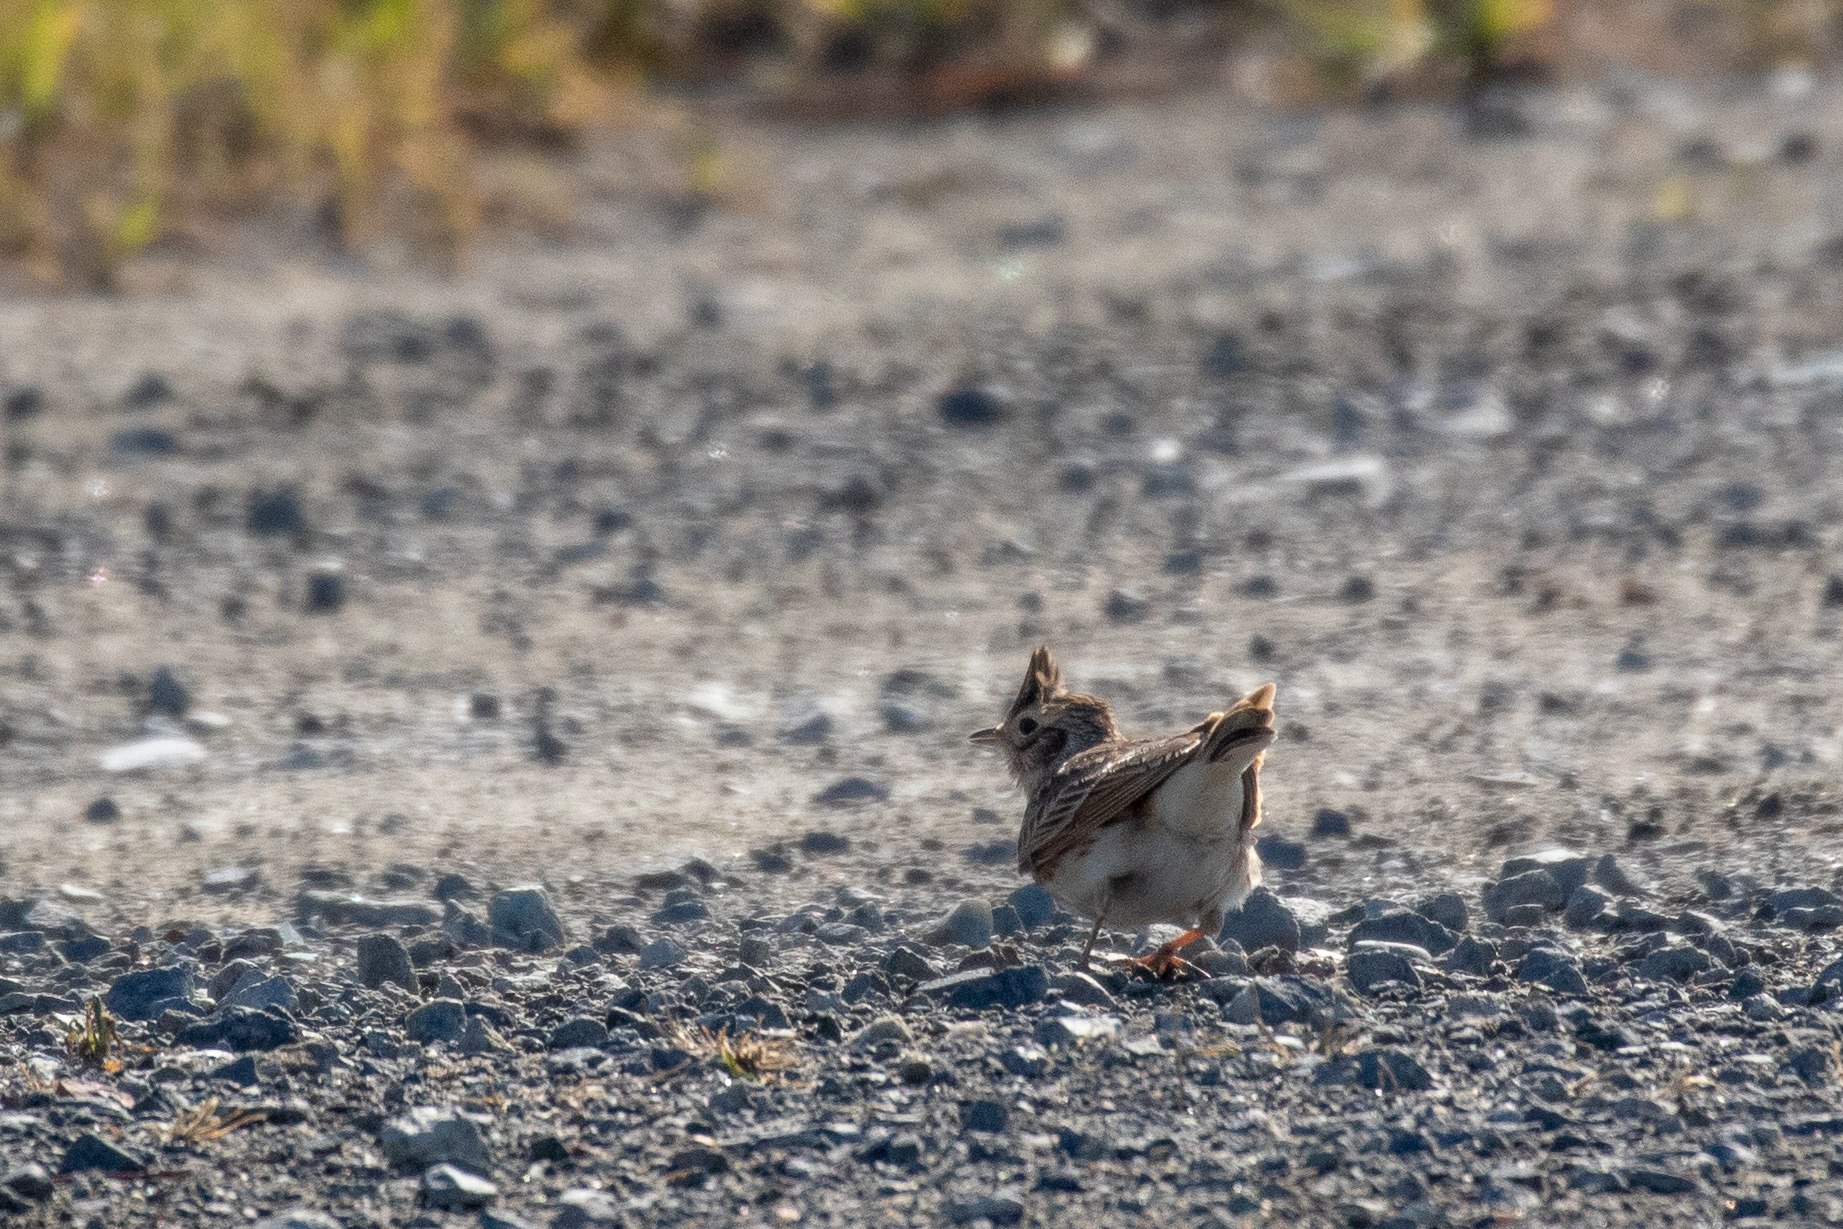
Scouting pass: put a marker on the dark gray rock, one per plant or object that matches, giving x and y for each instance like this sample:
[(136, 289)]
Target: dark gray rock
[(239, 1029), (1814, 1061), (970, 407), (1720, 949), (522, 918), (1584, 907), (1126, 606), (1526, 915), (580, 1031), (661, 953), (144, 995), (258, 992), (903, 716), (1228, 962), (1556, 970), (1590, 1031), (55, 920), (1370, 967), (1034, 905), (1532, 887), (852, 791), (1080, 989), (28, 1179), (992, 853), (343, 909), (166, 695), (84, 950), (756, 1012), (254, 944), (1672, 964), (1448, 909), (1813, 921), (239, 1071), (382, 958), (989, 1117), (1404, 927), (1327, 823), (681, 913), (1262, 921), (1831, 973), (624, 940), (1280, 853), (981, 989), (93, 1152), (1279, 1000), (905, 963), (1005, 921), (808, 730), (823, 844), (1661, 1181), (427, 1135), (1631, 916), (1568, 869), (437, 1020), (462, 927), (1748, 983)]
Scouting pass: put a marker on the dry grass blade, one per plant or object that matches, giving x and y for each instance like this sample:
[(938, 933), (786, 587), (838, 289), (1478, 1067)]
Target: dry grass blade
[(90, 1038), (748, 1056), (204, 1124)]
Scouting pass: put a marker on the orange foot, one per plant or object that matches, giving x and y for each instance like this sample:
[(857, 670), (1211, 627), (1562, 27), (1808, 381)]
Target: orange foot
[(1165, 963)]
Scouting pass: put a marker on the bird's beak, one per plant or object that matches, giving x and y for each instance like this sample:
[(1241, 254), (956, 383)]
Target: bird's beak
[(985, 738)]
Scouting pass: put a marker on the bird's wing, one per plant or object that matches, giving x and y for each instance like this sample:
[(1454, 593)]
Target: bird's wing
[(1098, 787)]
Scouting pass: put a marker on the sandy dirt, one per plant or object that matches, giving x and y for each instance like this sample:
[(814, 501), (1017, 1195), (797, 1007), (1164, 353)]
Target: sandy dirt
[(1502, 439)]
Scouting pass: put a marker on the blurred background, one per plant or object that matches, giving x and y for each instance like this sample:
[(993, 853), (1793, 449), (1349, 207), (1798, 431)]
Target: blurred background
[(133, 127), (561, 434)]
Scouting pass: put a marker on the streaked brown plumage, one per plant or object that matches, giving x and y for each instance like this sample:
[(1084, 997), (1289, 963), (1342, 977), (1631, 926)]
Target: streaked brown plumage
[(1135, 831)]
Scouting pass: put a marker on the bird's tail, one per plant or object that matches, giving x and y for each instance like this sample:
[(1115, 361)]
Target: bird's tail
[(1240, 737)]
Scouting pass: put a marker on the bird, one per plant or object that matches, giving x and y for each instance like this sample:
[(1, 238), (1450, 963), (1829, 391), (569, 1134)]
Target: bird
[(1136, 830)]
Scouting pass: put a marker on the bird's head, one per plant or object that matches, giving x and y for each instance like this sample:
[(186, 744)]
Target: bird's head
[(1047, 723)]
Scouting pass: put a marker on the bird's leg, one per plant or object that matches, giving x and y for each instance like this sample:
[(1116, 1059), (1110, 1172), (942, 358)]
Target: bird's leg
[(1165, 961), (1088, 947)]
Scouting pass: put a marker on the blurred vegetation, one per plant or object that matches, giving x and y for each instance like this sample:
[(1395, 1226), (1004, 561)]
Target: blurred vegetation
[(117, 116), (123, 122)]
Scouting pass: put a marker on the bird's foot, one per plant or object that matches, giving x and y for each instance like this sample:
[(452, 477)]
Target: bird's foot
[(1165, 964)]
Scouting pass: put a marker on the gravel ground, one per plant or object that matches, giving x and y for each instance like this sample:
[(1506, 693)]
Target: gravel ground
[(665, 561)]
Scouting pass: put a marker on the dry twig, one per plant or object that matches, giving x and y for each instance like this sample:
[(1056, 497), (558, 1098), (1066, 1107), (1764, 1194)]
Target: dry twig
[(747, 1056), (204, 1124)]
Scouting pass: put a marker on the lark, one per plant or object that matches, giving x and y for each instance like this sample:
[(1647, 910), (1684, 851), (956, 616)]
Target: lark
[(1135, 831)]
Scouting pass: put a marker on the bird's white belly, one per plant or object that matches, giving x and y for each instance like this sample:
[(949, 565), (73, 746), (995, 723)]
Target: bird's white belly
[(1189, 859)]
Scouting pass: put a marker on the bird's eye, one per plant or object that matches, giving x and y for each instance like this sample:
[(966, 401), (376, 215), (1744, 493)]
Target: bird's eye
[(1027, 727)]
